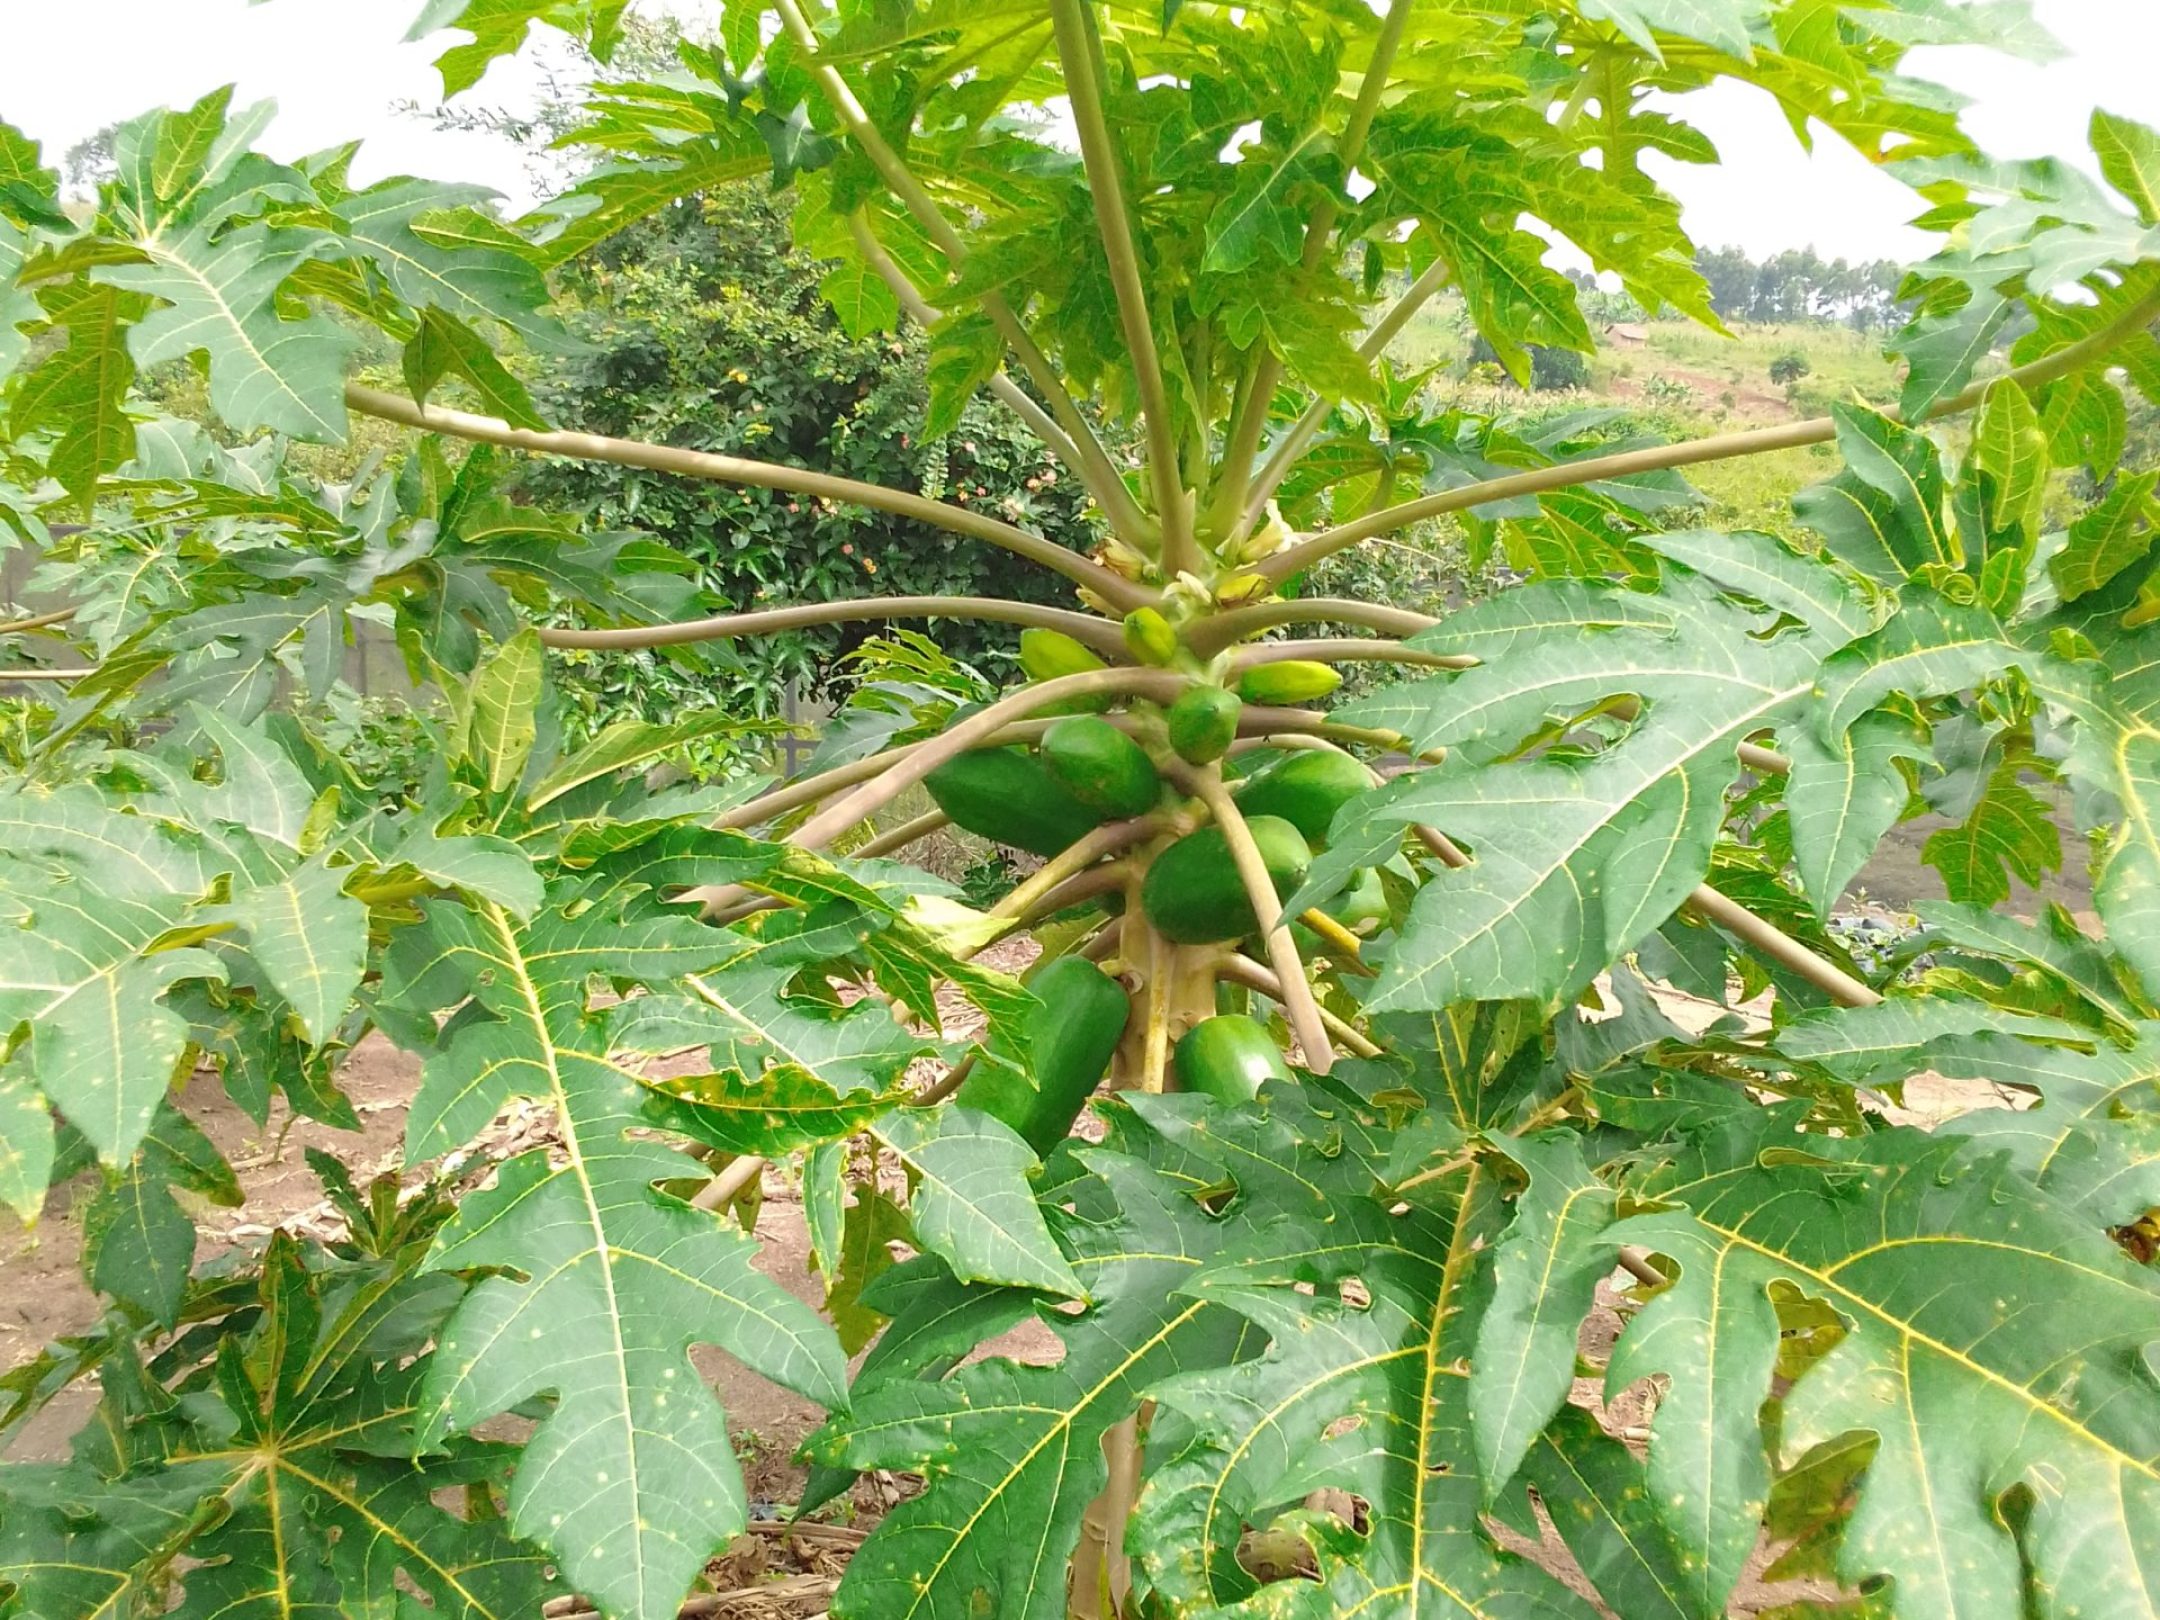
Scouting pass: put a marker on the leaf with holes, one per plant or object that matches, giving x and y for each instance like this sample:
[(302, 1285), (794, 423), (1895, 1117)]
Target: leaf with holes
[(2032, 1369)]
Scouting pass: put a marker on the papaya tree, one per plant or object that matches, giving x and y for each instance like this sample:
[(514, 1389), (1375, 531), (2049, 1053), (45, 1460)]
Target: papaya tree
[(1368, 1013)]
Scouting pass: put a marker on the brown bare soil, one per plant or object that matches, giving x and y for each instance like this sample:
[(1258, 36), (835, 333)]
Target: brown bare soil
[(1749, 403)]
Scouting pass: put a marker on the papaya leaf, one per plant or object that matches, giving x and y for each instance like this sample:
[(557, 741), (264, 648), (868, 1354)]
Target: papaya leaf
[(973, 1207), (310, 939), (401, 225), (1367, 1397), (1545, 1276), (1013, 1453), (2054, 943), (287, 1479), (631, 1482), (2008, 834), (2113, 536), (498, 28), (1574, 857), (2032, 1367), (1843, 795), (1593, 1489), (138, 1244), (86, 972), (445, 346), (500, 729)]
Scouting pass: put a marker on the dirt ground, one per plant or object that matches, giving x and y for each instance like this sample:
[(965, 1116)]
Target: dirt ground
[(1749, 404)]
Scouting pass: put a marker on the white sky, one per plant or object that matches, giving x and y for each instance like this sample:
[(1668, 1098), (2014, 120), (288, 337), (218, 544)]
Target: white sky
[(336, 66)]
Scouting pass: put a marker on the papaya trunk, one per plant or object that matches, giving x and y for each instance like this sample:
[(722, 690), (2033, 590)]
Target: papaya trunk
[(1101, 1573), (1176, 990)]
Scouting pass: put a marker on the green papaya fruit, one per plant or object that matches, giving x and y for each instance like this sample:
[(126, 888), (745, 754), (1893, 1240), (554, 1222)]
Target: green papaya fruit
[(1306, 789), (1295, 680), (1047, 654), (1071, 1040), (1008, 797), (1229, 1058), (1203, 723), (1193, 895), (1101, 767), (1150, 637), (1364, 901)]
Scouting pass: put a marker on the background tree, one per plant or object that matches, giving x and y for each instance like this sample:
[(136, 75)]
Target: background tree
[(1798, 285), (706, 330)]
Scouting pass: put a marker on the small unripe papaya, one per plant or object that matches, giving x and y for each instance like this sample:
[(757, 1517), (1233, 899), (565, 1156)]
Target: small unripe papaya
[(1047, 655), (1193, 894), (1363, 903), (1229, 1058), (1101, 767), (1071, 1039), (1150, 637), (1203, 724), (1295, 680), (1306, 789), (1009, 798)]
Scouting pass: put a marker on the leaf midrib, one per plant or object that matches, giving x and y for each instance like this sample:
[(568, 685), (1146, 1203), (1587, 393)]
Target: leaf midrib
[(957, 1536), (574, 1153)]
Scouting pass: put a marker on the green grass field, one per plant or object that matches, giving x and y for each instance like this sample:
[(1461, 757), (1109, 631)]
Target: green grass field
[(1690, 380)]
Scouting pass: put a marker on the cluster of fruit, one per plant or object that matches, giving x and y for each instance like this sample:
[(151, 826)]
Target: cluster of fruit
[(1087, 770)]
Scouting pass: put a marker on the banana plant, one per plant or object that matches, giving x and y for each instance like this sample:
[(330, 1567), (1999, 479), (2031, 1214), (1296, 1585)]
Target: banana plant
[(1371, 1000)]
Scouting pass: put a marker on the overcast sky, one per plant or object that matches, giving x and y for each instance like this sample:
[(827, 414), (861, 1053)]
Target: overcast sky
[(337, 66)]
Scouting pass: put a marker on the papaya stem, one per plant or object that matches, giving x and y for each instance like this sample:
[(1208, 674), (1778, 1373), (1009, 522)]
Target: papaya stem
[(1243, 970), (727, 1186), (1101, 945), (1260, 719), (1295, 442), (1077, 54), (1439, 1172), (1011, 394), (1161, 968), (794, 795), (1096, 880), (1297, 998), (1694, 452), (37, 621), (1781, 947), (756, 474), (1101, 1577), (1082, 627), (1211, 635), (1242, 455), (908, 832), (948, 1083), (1338, 936), (1100, 473), (1076, 858), (1345, 650)]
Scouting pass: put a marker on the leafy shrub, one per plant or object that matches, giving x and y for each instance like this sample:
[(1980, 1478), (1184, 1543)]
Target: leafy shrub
[(1551, 369), (709, 332), (1789, 368), (1669, 393)]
